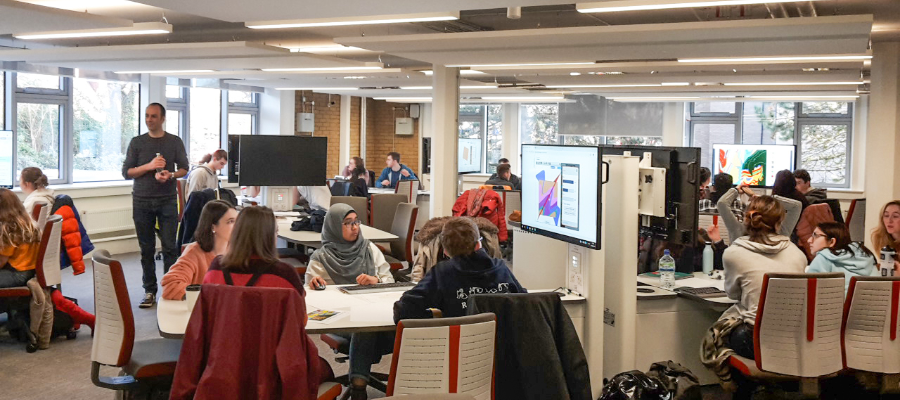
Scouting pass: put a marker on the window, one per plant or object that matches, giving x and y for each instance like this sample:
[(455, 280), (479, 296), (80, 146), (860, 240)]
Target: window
[(106, 117), (2, 100), (205, 122), (176, 110), (820, 130), (38, 83), (38, 138), (481, 126), (243, 112), (538, 123)]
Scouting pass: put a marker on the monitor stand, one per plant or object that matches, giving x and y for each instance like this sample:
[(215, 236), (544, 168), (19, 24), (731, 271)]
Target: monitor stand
[(278, 198)]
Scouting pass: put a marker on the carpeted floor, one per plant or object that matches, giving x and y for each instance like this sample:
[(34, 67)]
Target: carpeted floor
[(64, 370)]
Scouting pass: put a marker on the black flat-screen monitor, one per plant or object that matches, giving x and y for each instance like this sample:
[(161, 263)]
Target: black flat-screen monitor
[(561, 193), (269, 160), (753, 164), (682, 165), (7, 169), (234, 156)]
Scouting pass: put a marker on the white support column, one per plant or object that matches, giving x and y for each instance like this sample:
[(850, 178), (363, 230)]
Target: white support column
[(344, 153), (882, 134), (510, 148), (444, 140), (276, 112), (153, 90), (673, 124), (362, 129)]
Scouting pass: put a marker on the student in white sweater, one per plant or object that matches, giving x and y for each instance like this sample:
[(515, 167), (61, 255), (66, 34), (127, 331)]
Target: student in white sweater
[(762, 249), (206, 175), (33, 183)]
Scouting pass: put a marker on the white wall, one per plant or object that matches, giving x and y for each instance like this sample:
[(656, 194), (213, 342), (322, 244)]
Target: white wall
[(276, 112), (882, 141)]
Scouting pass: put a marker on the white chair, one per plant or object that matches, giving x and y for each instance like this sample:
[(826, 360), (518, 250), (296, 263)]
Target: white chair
[(869, 333), (408, 188), (40, 212), (445, 355), (145, 363), (384, 207), (797, 330)]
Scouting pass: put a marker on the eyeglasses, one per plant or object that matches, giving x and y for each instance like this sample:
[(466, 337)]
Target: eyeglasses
[(816, 235), (350, 223)]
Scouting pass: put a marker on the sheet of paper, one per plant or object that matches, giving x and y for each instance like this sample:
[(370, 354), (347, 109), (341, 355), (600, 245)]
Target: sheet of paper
[(372, 312)]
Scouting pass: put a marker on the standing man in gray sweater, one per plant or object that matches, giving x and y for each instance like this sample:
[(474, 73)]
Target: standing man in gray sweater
[(154, 160)]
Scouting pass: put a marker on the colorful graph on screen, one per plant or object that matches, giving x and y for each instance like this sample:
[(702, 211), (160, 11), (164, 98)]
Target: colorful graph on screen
[(548, 199), (754, 165)]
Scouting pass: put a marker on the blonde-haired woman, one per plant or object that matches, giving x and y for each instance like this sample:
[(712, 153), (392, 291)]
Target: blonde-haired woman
[(887, 234)]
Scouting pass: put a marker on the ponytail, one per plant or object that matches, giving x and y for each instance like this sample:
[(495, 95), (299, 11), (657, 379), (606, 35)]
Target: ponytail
[(35, 176)]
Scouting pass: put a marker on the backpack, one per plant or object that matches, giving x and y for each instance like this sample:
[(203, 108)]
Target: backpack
[(311, 222)]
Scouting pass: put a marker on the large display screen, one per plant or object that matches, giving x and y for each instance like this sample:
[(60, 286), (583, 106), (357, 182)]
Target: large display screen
[(754, 165), (272, 160), (6, 159), (561, 193), (469, 159)]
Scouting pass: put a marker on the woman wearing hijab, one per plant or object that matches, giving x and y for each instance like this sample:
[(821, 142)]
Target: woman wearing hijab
[(346, 257)]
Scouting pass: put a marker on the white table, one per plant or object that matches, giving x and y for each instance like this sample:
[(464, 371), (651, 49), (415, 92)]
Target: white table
[(699, 280), (358, 312), (314, 239)]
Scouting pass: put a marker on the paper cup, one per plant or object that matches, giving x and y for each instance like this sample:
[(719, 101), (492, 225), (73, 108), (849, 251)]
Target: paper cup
[(190, 295)]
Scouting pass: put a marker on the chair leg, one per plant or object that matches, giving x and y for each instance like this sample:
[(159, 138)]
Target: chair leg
[(890, 384), (809, 387)]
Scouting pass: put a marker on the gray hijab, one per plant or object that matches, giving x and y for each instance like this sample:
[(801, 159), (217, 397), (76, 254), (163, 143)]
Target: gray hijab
[(343, 260)]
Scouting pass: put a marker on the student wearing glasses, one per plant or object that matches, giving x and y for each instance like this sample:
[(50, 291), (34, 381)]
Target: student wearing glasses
[(835, 252)]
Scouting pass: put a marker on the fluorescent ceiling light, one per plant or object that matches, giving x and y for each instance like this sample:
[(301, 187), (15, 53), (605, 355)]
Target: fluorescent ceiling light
[(342, 21), (676, 84), (461, 87), (771, 59), (321, 89), (404, 99), (790, 83), (168, 72), (322, 69), (143, 28), (514, 98), (641, 5), (653, 99), (81, 5), (461, 72), (848, 97), (524, 65), (325, 49), (626, 85)]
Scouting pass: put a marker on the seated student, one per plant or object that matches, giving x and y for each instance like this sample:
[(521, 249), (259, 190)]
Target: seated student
[(887, 234), (705, 176), (20, 242), (502, 178), (212, 235), (346, 257), (251, 258), (469, 270), (834, 251), (512, 177), (721, 183), (358, 185), (318, 197), (206, 175), (792, 209), (394, 172), (786, 186), (762, 250), (357, 162), (33, 183), (813, 195)]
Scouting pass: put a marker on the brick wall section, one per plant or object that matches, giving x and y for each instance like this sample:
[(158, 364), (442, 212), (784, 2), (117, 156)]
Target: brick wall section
[(381, 138), (355, 114)]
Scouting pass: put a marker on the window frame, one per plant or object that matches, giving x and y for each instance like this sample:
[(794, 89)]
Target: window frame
[(251, 109), (61, 98)]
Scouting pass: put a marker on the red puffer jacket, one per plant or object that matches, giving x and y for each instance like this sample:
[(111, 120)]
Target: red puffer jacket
[(71, 238), (483, 203)]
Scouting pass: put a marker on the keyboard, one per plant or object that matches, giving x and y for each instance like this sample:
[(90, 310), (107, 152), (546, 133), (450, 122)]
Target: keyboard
[(701, 291), (378, 287)]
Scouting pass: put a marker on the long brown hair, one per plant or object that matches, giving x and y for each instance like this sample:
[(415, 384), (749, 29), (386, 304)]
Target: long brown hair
[(253, 236), (35, 176), (763, 217), (360, 169), (211, 214), (880, 235), (841, 236), (16, 227)]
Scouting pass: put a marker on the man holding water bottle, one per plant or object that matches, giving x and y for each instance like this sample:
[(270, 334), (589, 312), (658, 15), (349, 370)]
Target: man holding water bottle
[(154, 160)]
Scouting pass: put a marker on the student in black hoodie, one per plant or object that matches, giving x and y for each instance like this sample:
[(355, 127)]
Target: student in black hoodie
[(470, 270)]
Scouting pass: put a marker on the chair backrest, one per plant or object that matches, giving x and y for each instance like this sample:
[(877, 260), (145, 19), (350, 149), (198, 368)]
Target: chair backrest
[(181, 185), (40, 212), (856, 220), (495, 187), (114, 327), (339, 187), (384, 206), (812, 217), (512, 201), (869, 332), (404, 227), (408, 188), (445, 355), (359, 204), (798, 324), (48, 269), (371, 178)]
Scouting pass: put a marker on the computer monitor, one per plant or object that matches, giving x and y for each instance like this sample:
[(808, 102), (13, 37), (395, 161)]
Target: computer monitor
[(7, 169), (469, 159), (561, 193), (753, 164), (269, 160), (682, 207), (234, 156)]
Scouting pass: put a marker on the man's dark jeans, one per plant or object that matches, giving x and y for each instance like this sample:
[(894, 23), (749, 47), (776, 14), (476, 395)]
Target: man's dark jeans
[(152, 216)]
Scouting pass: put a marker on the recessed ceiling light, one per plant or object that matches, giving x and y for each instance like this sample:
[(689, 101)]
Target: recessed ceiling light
[(623, 85), (790, 83), (461, 72), (369, 20), (321, 89), (142, 28), (772, 59), (356, 77), (461, 87), (641, 5), (523, 65), (168, 72), (322, 69), (574, 73), (325, 49), (515, 98)]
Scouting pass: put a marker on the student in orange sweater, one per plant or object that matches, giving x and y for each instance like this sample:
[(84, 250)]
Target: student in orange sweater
[(20, 241), (212, 235)]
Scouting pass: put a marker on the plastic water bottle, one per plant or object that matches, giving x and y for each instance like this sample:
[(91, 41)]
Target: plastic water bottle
[(667, 271), (887, 261), (708, 258)]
